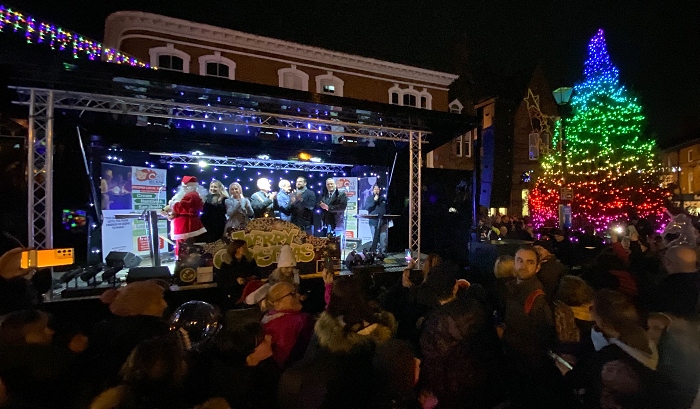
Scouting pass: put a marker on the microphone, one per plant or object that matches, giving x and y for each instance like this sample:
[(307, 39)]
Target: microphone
[(69, 275), (90, 272), (110, 273)]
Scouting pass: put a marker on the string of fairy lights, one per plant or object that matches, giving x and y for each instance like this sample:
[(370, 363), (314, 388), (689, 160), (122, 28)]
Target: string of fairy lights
[(611, 166), (58, 38)]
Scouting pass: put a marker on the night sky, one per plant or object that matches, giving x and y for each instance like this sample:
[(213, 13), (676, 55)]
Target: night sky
[(655, 44)]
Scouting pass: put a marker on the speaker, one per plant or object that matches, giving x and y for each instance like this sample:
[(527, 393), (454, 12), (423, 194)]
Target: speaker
[(148, 273), (128, 260)]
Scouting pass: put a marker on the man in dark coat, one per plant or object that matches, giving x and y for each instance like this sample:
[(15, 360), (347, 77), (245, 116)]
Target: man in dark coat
[(262, 201), (376, 205), (333, 205), (678, 292), (303, 204), (551, 269)]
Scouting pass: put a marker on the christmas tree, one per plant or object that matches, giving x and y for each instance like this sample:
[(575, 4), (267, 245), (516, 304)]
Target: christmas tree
[(609, 163)]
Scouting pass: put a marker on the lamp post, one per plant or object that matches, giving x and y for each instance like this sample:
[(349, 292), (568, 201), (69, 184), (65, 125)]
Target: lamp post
[(562, 95)]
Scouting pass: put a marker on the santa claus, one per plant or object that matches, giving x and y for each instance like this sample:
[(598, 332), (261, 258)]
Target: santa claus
[(183, 210)]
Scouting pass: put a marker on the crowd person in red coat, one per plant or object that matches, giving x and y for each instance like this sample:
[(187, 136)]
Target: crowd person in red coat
[(184, 209), (290, 328)]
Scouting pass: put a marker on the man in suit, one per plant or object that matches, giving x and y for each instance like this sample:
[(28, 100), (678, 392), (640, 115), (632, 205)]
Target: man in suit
[(376, 205), (263, 200), (303, 203), (333, 204)]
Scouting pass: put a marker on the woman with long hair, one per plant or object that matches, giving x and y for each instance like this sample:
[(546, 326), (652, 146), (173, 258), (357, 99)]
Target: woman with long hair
[(238, 208), (214, 212), (233, 274)]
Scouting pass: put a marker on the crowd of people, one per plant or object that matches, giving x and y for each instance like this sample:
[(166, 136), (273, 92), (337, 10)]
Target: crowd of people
[(621, 332)]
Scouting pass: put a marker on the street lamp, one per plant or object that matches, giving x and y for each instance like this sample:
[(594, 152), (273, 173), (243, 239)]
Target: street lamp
[(562, 95)]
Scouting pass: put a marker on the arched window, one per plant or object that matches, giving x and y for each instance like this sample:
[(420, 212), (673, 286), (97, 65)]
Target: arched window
[(293, 78), (169, 58), (329, 84), (395, 95), (215, 65), (456, 107)]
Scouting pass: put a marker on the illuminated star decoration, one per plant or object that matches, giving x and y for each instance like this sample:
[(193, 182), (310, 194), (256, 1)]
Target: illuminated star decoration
[(611, 163), (539, 121), (41, 32)]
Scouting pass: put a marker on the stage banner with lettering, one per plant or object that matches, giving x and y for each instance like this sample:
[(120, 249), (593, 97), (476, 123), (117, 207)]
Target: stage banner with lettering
[(130, 190)]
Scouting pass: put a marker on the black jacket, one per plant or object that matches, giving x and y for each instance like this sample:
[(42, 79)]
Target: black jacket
[(303, 208), (335, 215), (377, 207), (262, 205)]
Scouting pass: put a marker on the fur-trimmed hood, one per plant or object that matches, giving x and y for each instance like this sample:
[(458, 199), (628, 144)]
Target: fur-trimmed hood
[(331, 336)]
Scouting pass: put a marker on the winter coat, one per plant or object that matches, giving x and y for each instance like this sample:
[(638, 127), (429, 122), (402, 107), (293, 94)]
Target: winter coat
[(551, 271), (228, 289), (376, 207), (262, 204), (185, 213), (336, 371), (239, 212), (213, 218), (303, 208), (529, 326), (679, 363), (462, 362), (291, 332), (677, 294)]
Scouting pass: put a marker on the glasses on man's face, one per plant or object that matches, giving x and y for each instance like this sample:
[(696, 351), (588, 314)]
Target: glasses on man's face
[(293, 294)]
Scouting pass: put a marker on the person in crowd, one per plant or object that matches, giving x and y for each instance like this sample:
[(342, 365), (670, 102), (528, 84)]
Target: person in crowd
[(622, 371), (572, 318), (107, 183), (238, 208), (376, 205), (562, 248), (286, 271), (291, 329), (34, 373), (396, 373), (333, 204), (237, 366), (303, 204), (462, 363), (679, 292), (336, 370), (504, 271), (529, 332), (16, 289), (152, 377), (679, 359), (234, 273), (138, 315), (551, 269), (183, 210), (263, 201), (283, 202), (214, 213)]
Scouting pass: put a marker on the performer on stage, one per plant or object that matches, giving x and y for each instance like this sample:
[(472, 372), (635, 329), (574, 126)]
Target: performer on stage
[(214, 213), (303, 204), (238, 208), (333, 205), (263, 200), (376, 204), (283, 204), (183, 211)]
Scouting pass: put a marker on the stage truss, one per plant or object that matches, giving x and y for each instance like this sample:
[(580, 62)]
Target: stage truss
[(253, 163), (43, 102)]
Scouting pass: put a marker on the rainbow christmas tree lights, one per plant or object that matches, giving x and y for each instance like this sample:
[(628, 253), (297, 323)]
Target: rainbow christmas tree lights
[(58, 38), (611, 165)]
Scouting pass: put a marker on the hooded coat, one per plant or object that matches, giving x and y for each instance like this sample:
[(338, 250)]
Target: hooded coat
[(336, 371)]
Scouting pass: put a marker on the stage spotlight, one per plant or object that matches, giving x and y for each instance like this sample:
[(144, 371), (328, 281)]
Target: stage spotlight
[(203, 164), (304, 156), (264, 157)]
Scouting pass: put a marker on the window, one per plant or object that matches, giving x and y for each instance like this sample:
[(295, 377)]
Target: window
[(409, 100), (534, 143), (456, 107), (458, 146), (214, 65), (690, 181), (170, 62), (544, 142), (293, 78), (170, 58), (410, 97), (525, 197), (463, 145), (329, 84), (395, 98), (468, 144), (690, 155)]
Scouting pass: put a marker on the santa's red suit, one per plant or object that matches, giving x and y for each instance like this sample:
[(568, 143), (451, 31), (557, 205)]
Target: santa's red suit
[(184, 213)]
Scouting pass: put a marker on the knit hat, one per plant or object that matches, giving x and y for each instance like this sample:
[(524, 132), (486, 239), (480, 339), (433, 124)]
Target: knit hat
[(189, 179), (286, 257)]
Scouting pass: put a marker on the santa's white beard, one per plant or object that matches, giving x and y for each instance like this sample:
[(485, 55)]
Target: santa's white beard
[(185, 189)]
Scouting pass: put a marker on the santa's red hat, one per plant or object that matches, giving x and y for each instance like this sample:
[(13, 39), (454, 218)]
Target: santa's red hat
[(189, 179)]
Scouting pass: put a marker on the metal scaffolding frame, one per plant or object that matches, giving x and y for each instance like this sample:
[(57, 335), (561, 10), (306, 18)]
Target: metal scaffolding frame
[(253, 163), (42, 102)]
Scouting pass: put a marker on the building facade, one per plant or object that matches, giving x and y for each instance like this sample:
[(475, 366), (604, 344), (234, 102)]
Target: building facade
[(681, 173)]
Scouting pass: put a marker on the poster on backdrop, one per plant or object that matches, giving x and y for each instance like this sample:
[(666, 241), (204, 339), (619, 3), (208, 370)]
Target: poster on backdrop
[(349, 186), (130, 189)]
